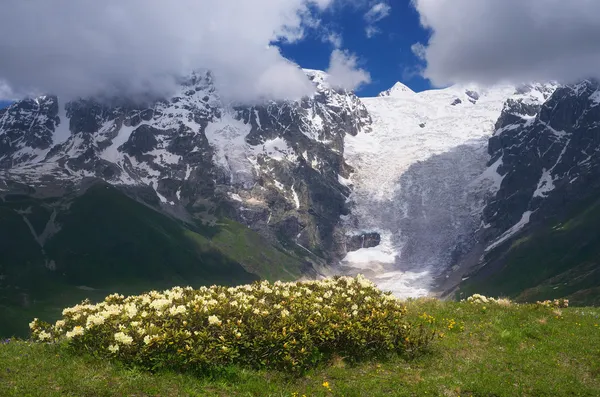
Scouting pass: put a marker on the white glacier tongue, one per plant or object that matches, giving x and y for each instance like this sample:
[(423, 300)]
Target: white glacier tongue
[(413, 175)]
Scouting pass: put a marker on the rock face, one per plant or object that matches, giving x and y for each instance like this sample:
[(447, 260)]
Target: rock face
[(274, 167), (546, 154), (544, 159)]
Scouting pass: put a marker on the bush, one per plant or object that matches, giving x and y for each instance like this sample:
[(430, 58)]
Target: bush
[(482, 300), (288, 326)]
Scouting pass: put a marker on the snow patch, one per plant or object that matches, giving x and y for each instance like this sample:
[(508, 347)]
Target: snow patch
[(112, 153), (62, 131), (295, 196), (512, 231), (595, 98), (491, 174), (545, 185)]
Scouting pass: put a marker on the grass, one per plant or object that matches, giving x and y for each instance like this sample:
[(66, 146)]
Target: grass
[(519, 350), (255, 253)]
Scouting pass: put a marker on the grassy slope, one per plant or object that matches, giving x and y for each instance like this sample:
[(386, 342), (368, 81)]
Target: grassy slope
[(516, 351), (559, 259), (255, 253), (111, 243)]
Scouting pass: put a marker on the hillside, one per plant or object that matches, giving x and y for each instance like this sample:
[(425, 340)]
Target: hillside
[(560, 258), (487, 350), (56, 252)]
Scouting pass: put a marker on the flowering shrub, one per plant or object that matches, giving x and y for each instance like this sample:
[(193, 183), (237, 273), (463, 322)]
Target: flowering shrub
[(556, 303), (480, 299), (290, 326)]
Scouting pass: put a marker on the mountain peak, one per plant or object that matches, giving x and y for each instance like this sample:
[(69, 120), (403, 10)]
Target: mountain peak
[(397, 90)]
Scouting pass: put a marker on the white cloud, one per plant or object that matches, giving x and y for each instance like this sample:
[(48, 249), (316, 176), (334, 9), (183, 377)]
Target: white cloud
[(83, 47), (419, 50), (371, 31), (344, 71), (375, 14), (334, 38), (489, 41)]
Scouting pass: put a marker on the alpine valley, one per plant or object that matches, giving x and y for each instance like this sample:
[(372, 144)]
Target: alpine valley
[(450, 192)]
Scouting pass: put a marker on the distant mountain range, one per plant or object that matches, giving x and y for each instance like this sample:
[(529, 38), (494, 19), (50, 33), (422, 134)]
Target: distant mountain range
[(457, 190)]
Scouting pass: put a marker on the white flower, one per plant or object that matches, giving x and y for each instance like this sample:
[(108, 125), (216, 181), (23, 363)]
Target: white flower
[(123, 338), (160, 304), (214, 320), (149, 339), (130, 310), (43, 335), (96, 319), (354, 307), (284, 313), (75, 332), (113, 348), (177, 310), (33, 324)]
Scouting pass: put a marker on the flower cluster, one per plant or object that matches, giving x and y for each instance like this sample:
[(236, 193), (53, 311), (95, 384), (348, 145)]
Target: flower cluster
[(556, 303), (482, 300), (291, 326)]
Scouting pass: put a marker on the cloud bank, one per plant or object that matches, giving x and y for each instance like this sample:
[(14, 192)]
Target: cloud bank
[(85, 47), (489, 41)]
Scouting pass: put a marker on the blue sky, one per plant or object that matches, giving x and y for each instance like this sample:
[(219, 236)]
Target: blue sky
[(387, 56)]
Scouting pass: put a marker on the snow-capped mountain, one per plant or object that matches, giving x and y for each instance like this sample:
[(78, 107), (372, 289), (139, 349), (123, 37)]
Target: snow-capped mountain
[(277, 167), (545, 155)]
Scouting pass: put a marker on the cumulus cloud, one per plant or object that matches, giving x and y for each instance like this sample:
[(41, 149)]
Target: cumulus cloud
[(344, 71), (83, 47), (490, 41), (375, 14)]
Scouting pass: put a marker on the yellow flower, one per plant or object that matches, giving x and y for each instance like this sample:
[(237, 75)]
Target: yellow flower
[(326, 384)]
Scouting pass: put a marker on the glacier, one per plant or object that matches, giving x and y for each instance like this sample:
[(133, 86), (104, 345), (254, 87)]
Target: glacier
[(420, 181)]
